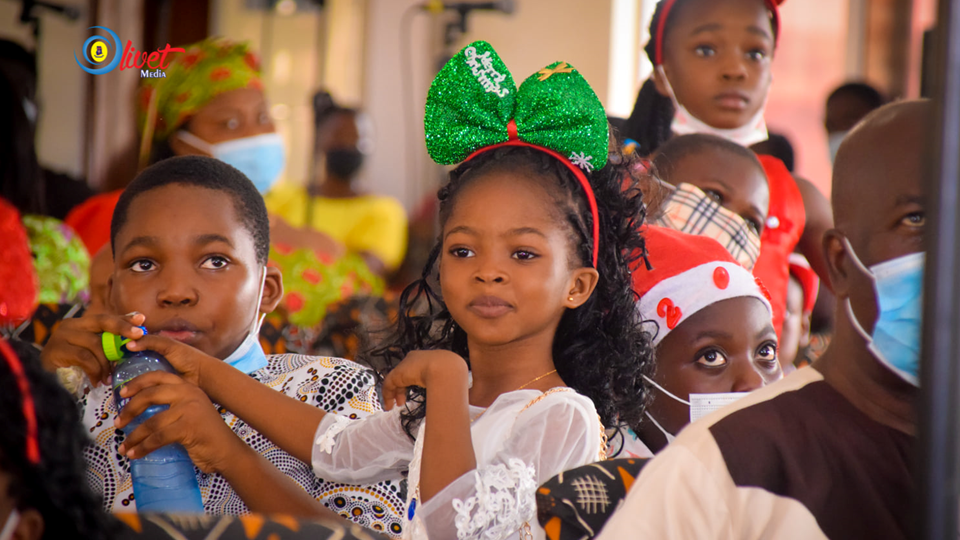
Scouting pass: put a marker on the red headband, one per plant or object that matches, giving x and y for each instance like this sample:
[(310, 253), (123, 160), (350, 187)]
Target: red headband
[(665, 14), (29, 411), (582, 178)]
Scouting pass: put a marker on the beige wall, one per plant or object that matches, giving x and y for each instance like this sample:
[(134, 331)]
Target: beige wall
[(398, 165), (541, 32), (290, 58), (301, 52), (62, 91), (808, 65), (538, 33)]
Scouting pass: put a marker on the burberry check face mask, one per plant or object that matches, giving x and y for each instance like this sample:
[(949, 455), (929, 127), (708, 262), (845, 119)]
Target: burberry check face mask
[(690, 210)]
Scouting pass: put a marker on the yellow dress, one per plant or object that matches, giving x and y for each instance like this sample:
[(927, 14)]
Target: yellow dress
[(369, 223)]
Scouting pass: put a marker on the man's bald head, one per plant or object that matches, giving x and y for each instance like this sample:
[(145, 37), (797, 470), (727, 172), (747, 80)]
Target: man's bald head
[(878, 159), (880, 213)]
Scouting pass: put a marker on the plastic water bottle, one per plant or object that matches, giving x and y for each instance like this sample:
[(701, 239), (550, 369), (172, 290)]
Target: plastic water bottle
[(164, 480)]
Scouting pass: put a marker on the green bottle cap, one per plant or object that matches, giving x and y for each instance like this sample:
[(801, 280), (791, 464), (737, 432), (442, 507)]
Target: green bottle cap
[(113, 346)]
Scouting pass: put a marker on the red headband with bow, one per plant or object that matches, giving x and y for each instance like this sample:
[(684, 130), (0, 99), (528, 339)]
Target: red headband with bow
[(26, 399)]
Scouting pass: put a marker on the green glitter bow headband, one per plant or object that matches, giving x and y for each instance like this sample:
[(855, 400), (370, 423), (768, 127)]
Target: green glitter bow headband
[(474, 106)]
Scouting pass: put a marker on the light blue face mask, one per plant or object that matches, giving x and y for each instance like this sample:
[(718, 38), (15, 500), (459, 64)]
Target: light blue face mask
[(249, 356), (261, 157), (898, 285)]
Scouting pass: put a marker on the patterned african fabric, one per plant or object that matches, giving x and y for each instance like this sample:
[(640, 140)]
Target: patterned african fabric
[(205, 70), (42, 323), (313, 282), (576, 504), (332, 384), (347, 324), (61, 260), (794, 460), (248, 527)]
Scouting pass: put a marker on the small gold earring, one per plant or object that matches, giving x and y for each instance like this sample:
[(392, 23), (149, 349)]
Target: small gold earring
[(569, 299)]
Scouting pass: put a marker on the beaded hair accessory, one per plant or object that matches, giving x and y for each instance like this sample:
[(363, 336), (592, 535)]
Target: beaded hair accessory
[(474, 106), (29, 411)]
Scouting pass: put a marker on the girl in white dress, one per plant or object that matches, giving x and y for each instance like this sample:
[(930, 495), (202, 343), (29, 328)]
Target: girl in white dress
[(534, 331), (532, 342)]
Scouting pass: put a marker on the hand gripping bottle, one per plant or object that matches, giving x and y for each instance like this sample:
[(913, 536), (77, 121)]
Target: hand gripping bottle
[(164, 480)]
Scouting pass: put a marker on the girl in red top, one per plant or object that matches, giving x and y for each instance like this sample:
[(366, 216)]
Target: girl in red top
[(712, 74)]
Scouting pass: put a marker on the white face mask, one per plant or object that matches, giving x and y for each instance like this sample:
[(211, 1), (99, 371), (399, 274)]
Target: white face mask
[(833, 142), (700, 404), (13, 519), (685, 123)]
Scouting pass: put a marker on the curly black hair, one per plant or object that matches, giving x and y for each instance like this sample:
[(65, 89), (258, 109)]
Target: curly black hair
[(599, 348), (650, 122), (57, 487)]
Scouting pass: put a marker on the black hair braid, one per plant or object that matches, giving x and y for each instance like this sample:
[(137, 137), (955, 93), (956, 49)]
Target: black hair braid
[(57, 487), (599, 349), (650, 122)]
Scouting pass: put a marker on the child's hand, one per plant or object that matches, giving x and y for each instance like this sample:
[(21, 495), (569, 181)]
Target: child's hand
[(77, 342), (184, 358), (425, 369), (191, 421)]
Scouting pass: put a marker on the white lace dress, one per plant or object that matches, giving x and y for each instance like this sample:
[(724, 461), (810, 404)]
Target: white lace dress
[(524, 438)]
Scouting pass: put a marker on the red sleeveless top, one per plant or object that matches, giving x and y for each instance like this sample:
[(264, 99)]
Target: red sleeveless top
[(785, 222)]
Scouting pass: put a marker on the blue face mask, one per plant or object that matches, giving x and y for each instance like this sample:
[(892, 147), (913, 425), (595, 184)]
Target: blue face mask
[(261, 157), (898, 285)]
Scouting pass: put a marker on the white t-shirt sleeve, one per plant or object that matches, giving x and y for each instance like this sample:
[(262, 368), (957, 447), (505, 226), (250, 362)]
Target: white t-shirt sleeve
[(497, 499), (677, 495)]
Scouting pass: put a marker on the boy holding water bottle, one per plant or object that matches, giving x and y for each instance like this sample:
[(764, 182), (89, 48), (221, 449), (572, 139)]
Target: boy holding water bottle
[(190, 239)]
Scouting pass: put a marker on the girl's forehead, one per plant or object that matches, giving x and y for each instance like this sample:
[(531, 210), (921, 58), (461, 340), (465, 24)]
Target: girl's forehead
[(510, 196), (714, 15)]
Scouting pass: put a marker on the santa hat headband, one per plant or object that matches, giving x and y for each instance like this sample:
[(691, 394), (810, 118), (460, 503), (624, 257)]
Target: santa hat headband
[(689, 274), (668, 6)]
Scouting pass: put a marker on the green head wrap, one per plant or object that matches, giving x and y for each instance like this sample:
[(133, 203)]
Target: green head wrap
[(206, 70)]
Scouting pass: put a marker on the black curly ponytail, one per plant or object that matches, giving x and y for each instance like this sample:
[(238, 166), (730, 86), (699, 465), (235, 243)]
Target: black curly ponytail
[(649, 123), (599, 348)]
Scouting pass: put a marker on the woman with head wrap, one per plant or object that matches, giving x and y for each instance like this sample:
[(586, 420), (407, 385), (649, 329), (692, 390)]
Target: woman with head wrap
[(211, 102)]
